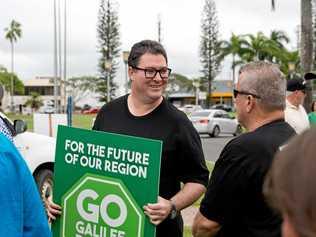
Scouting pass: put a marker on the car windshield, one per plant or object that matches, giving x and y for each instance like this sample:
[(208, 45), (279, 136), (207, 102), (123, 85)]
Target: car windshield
[(201, 113)]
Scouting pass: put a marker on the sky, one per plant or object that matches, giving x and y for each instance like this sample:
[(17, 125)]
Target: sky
[(180, 22)]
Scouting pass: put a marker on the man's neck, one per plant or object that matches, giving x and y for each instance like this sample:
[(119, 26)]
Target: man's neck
[(293, 101), (266, 118), (140, 107)]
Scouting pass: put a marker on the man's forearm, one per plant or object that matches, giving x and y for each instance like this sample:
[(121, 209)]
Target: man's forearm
[(189, 193), (203, 227)]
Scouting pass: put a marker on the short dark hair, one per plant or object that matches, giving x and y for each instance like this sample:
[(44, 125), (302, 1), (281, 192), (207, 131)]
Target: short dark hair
[(290, 183), (145, 46)]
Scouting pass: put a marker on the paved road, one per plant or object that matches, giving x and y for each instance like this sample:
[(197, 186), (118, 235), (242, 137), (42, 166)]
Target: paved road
[(212, 147)]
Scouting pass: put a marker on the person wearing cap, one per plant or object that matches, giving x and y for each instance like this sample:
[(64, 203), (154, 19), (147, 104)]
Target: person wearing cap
[(295, 113), (312, 114)]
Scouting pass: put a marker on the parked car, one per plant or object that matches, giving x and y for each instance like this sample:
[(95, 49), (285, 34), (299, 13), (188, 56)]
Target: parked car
[(225, 107), (214, 121), (47, 109), (91, 111), (188, 109), (39, 153)]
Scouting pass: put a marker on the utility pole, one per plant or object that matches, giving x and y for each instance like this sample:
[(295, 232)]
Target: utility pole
[(159, 28), (65, 54), (59, 59), (55, 57)]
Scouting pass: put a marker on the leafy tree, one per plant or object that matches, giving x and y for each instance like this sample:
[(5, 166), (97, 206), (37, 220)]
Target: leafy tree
[(35, 102), (235, 46), (306, 49), (108, 47), (13, 32), (260, 47), (210, 52), (6, 78), (179, 83), (247, 48), (290, 59), (279, 37), (80, 87)]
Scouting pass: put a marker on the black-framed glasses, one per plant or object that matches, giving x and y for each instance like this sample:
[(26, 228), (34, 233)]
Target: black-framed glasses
[(150, 73), (236, 92)]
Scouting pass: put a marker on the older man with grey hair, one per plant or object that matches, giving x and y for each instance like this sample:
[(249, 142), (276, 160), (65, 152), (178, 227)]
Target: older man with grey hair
[(295, 113), (234, 204)]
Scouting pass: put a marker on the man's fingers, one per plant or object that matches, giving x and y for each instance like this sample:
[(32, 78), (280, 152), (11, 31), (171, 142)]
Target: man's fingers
[(155, 206), (55, 206), (53, 210)]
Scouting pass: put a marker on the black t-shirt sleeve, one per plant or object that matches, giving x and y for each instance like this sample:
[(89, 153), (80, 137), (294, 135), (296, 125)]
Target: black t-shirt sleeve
[(192, 167), (227, 186), (99, 120)]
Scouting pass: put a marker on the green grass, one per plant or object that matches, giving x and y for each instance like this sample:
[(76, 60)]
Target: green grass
[(83, 120), (78, 120), (210, 166), (187, 229), (27, 118)]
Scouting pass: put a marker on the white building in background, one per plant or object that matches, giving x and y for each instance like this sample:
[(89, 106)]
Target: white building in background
[(43, 86)]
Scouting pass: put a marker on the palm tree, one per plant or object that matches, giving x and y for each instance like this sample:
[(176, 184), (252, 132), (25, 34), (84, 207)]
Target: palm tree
[(306, 49), (236, 46), (260, 47), (279, 37), (13, 32), (35, 102)]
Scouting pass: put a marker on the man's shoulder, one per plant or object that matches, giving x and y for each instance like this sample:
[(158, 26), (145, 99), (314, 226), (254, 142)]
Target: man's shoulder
[(9, 151), (5, 144), (274, 132), (174, 113), (114, 104)]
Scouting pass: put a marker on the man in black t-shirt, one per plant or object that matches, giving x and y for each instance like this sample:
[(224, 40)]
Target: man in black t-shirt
[(234, 204), (145, 113)]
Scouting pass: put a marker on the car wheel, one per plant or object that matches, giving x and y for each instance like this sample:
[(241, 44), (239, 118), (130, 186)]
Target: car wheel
[(44, 181), (216, 131), (238, 130)]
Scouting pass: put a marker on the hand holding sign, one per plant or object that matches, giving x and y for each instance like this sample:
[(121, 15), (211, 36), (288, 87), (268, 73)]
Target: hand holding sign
[(159, 211)]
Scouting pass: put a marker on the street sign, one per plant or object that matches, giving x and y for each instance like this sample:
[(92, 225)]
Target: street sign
[(95, 183)]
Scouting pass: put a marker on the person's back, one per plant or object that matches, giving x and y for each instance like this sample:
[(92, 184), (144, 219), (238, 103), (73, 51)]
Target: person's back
[(254, 154), (234, 204), (22, 212)]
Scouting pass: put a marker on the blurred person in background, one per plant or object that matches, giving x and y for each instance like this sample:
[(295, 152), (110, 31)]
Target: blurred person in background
[(22, 212), (290, 186), (295, 113), (312, 114)]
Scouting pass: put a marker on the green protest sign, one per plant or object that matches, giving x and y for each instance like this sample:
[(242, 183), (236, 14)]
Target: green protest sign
[(102, 181)]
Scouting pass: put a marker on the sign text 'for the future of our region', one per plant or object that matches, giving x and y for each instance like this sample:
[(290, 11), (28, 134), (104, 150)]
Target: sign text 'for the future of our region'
[(109, 159)]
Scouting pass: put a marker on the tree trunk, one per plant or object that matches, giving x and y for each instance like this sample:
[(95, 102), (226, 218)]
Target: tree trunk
[(307, 45), (233, 67)]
